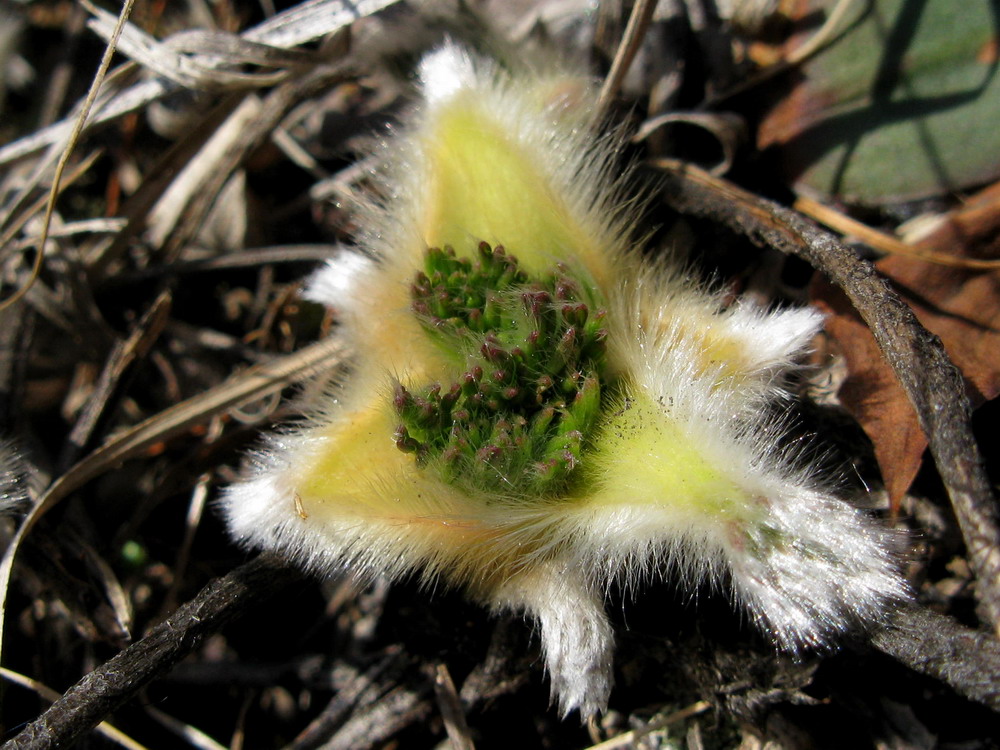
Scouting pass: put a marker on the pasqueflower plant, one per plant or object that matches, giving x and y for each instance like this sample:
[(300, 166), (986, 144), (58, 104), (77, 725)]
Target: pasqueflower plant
[(536, 410)]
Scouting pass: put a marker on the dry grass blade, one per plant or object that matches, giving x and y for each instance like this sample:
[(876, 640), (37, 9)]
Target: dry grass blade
[(17, 224), (371, 726), (295, 26), (157, 182), (450, 706), (344, 700), (196, 509), (74, 136), (235, 49), (237, 144), (881, 241), (115, 104), (313, 19), (188, 71), (192, 735), (252, 384), (188, 188), (729, 131), (73, 228), (629, 739), (122, 356), (114, 592), (635, 31), (826, 34)]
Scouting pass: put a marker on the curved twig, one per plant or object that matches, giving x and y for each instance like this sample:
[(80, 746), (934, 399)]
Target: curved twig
[(931, 381), (635, 32), (94, 697), (938, 646)]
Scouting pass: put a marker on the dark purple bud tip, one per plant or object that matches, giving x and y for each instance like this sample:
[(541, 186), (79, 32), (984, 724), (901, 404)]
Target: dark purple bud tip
[(575, 314), (403, 440), (568, 339), (426, 410), (452, 395), (489, 453), (401, 397), (547, 470), (492, 351), (565, 290)]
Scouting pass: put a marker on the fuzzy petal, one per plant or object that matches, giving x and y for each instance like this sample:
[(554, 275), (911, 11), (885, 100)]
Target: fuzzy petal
[(614, 417), (577, 638)]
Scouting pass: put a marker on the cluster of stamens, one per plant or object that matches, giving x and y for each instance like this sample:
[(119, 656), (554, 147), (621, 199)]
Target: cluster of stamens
[(517, 418)]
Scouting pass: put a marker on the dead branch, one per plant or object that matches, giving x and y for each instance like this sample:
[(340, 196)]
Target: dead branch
[(109, 686), (938, 646), (933, 384)]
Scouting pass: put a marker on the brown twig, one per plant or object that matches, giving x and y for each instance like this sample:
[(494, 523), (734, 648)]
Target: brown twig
[(635, 31), (938, 646), (886, 243), (451, 709), (48, 694), (121, 358), (109, 686), (931, 381)]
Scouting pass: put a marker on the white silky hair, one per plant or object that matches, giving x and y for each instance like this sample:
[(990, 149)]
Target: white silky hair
[(445, 72), (334, 283), (804, 564), (14, 496), (834, 568)]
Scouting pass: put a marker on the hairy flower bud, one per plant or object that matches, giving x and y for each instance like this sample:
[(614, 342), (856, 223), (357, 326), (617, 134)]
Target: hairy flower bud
[(537, 411)]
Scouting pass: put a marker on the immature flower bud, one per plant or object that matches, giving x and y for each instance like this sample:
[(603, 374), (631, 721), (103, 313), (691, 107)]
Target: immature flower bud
[(537, 411)]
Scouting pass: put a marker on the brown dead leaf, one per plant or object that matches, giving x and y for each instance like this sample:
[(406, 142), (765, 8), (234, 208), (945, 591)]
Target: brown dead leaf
[(962, 306)]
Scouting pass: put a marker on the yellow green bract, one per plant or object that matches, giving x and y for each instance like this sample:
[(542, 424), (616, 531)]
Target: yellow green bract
[(535, 410), (485, 186)]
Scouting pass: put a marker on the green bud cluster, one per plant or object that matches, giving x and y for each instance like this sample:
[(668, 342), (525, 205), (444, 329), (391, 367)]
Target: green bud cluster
[(518, 417)]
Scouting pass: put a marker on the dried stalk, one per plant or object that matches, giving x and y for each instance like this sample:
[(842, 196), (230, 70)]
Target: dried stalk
[(931, 381), (109, 686)]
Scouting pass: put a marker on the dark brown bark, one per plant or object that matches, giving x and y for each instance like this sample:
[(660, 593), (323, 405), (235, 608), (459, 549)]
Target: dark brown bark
[(933, 384), (97, 695)]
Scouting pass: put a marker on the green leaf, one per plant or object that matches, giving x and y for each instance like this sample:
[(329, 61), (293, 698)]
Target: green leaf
[(903, 106)]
